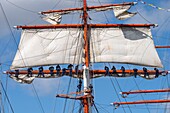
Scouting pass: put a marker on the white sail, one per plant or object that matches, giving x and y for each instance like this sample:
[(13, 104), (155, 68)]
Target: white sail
[(121, 12), (49, 46), (22, 79), (125, 15), (54, 18), (132, 45)]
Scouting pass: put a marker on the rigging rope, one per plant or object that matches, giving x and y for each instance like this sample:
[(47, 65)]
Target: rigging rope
[(57, 3), (5, 47), (121, 91), (142, 15), (6, 88), (20, 7), (77, 67), (116, 93), (11, 32), (162, 26), (103, 108), (38, 98), (7, 97), (96, 108), (70, 79), (104, 12), (168, 95), (141, 95), (56, 98), (1, 99), (64, 108)]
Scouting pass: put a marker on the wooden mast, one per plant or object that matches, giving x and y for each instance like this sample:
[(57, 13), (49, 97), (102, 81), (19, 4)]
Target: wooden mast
[(141, 102), (86, 78), (145, 91), (82, 25), (86, 45), (87, 98), (162, 46), (150, 72), (117, 104), (87, 7)]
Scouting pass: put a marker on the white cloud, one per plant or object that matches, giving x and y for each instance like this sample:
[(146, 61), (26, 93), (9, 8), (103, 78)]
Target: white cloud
[(46, 86), (43, 87)]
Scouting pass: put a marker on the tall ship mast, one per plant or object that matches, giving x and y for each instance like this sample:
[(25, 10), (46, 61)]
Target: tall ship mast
[(57, 50)]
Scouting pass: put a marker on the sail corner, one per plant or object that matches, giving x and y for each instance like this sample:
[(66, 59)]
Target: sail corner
[(4, 72), (134, 3), (156, 25)]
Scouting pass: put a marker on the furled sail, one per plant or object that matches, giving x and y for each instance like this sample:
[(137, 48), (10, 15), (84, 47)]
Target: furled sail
[(132, 45), (22, 79), (49, 46), (121, 12), (54, 18)]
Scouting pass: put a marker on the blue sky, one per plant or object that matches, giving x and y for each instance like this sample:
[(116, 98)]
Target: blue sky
[(23, 97)]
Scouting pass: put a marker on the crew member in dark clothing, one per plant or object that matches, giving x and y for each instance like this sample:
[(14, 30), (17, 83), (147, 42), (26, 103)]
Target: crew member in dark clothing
[(16, 73), (156, 72), (77, 69), (107, 70), (123, 71), (145, 72), (114, 70), (70, 66), (135, 72), (79, 86), (58, 68), (63, 71), (51, 68), (91, 88), (29, 72), (41, 71)]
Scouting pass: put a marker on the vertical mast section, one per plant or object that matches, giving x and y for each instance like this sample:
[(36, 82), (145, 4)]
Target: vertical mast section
[(86, 78), (86, 45)]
